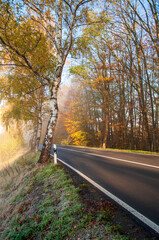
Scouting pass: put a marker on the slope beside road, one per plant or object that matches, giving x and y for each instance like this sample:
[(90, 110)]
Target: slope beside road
[(131, 178)]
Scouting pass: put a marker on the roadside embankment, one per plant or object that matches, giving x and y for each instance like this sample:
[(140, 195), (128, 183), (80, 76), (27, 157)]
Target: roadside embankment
[(42, 202)]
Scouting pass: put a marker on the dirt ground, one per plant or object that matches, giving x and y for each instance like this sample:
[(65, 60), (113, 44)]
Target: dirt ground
[(93, 198)]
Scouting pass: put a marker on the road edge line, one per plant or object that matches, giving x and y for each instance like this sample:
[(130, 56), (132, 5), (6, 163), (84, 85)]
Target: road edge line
[(115, 159), (111, 150), (141, 217)]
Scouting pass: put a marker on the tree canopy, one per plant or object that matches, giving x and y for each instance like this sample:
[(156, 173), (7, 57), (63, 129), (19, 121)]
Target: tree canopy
[(114, 96)]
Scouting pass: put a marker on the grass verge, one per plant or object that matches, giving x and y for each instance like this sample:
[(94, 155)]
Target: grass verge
[(41, 202)]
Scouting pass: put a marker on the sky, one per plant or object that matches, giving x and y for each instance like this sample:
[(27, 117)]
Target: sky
[(66, 76)]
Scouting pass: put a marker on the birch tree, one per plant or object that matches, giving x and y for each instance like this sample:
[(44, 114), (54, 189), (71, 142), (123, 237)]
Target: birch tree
[(27, 60), (60, 19)]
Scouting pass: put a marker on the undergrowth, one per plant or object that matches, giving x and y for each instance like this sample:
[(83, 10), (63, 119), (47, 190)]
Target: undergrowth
[(42, 203)]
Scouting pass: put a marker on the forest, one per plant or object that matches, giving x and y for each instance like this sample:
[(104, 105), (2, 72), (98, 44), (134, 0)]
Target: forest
[(112, 99)]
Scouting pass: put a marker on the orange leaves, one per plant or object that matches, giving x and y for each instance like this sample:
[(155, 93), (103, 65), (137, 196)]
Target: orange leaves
[(101, 80), (104, 79), (118, 125)]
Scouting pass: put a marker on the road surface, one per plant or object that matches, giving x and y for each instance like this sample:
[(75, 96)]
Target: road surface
[(130, 177)]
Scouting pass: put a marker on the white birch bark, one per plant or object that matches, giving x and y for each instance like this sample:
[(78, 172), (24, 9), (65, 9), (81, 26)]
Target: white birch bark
[(39, 129), (45, 153), (62, 47)]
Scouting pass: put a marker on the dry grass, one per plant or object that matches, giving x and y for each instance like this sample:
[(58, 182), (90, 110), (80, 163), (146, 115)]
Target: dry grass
[(6, 163), (12, 176)]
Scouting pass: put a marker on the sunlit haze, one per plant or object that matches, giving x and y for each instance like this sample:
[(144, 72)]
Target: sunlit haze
[(1, 129)]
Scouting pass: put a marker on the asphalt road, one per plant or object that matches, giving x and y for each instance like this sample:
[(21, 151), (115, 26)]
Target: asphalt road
[(131, 177)]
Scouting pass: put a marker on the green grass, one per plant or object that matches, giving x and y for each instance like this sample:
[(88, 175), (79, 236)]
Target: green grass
[(44, 204)]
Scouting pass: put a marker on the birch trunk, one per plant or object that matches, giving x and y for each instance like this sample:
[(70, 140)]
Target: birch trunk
[(63, 47), (45, 153)]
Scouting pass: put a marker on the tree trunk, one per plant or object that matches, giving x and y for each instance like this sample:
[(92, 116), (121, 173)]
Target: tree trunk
[(39, 128), (33, 142), (106, 134), (131, 119), (142, 101), (45, 153)]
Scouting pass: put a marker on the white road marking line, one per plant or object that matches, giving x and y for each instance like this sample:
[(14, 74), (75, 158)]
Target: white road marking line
[(144, 219), (118, 151), (116, 159)]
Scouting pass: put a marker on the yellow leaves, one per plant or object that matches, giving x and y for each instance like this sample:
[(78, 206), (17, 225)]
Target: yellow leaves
[(7, 108), (28, 40), (79, 70), (99, 81), (91, 16), (79, 138), (103, 79)]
